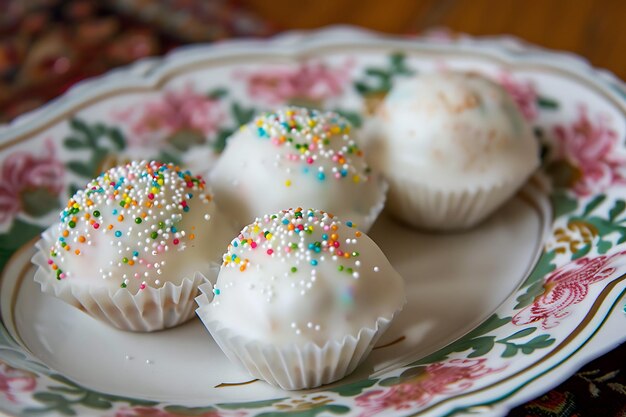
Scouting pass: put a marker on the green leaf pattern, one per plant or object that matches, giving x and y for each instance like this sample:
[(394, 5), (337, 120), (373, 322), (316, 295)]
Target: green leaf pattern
[(379, 80), (98, 140), (65, 399)]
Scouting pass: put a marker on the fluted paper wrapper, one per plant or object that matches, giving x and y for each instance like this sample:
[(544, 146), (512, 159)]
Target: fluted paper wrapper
[(293, 367), (428, 208), (149, 310)]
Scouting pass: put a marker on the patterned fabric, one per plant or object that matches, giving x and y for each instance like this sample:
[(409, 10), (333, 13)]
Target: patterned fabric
[(48, 45)]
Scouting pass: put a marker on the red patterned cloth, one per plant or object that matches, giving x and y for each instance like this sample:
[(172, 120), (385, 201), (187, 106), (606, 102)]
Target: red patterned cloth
[(48, 45)]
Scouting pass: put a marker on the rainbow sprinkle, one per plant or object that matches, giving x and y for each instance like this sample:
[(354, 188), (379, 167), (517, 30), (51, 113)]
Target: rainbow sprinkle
[(302, 239), (318, 141), (134, 210)]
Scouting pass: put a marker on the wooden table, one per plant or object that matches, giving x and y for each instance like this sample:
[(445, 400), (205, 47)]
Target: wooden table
[(590, 28)]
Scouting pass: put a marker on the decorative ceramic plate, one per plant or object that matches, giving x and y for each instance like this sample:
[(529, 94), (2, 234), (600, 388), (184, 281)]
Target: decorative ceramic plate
[(495, 315)]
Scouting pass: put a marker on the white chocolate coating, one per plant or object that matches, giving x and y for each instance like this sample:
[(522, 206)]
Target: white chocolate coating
[(454, 132), (136, 226), (302, 276), (297, 157)]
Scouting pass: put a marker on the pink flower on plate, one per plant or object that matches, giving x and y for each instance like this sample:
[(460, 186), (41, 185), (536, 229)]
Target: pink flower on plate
[(309, 81), (565, 287), (591, 146), (175, 112), (30, 183), (14, 382), (156, 412), (523, 94), (440, 378)]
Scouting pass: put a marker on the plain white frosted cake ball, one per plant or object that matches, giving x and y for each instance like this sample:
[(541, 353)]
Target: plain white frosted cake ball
[(138, 233), (297, 157), (301, 284), (453, 147)]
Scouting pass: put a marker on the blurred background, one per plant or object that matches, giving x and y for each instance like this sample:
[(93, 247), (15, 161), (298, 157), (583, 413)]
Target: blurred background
[(47, 45)]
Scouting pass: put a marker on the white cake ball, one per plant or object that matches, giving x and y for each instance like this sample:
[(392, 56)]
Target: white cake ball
[(297, 157), (130, 246), (453, 146), (302, 282)]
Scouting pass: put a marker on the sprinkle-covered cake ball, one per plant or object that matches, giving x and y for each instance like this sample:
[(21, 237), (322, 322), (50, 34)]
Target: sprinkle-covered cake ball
[(453, 147), (301, 281), (135, 227), (297, 157)]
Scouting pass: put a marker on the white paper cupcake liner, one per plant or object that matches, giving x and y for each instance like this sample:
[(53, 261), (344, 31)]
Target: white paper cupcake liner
[(428, 208), (292, 367), (149, 310)]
